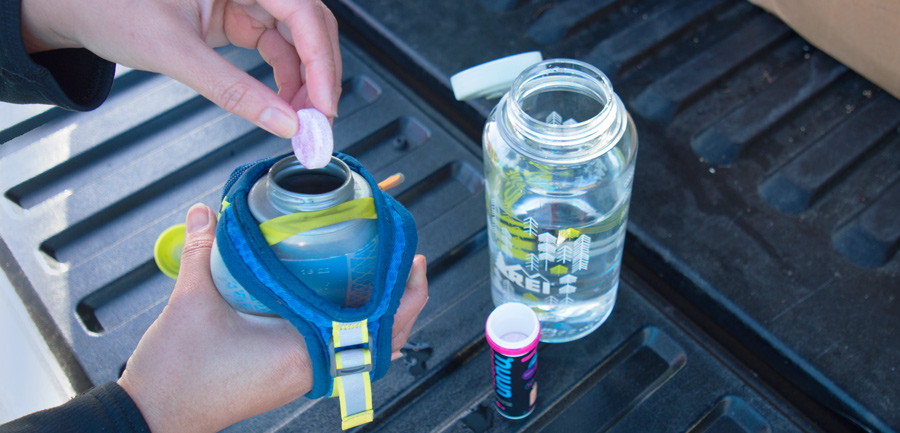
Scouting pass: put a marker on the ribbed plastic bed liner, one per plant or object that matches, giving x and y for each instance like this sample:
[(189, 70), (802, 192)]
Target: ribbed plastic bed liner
[(86, 194)]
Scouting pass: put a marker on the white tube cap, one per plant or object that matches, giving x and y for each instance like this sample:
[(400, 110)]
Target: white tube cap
[(492, 79)]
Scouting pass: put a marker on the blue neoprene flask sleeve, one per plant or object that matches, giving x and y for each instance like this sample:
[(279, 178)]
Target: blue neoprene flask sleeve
[(256, 267)]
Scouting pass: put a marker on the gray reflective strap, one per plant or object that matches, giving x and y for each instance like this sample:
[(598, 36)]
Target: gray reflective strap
[(350, 367), (355, 394), (350, 334)]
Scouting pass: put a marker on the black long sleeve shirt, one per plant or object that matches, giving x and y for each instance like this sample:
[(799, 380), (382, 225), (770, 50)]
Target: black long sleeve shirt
[(74, 79), (107, 408)]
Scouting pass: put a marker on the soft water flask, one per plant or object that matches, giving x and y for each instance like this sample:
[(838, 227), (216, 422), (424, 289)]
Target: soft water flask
[(559, 155), (336, 261)]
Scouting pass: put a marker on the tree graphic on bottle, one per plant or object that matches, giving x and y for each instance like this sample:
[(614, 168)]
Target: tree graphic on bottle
[(559, 270), (568, 287), (531, 226), (582, 253), (534, 262), (564, 252), (547, 249)]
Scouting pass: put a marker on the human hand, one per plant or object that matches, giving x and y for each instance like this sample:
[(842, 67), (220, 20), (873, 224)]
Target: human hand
[(202, 366), (298, 38), (411, 304)]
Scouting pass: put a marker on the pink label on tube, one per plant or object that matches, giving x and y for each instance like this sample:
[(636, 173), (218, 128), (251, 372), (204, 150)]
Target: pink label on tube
[(513, 332)]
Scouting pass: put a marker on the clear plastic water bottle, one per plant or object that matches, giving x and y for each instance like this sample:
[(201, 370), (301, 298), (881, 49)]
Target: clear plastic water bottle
[(559, 156)]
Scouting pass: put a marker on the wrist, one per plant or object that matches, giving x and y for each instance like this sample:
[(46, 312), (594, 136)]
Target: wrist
[(161, 409), (40, 30)]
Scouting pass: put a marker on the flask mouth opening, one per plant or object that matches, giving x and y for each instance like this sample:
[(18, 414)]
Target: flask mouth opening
[(294, 188)]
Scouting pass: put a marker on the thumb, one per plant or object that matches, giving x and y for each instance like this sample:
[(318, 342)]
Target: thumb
[(214, 77), (200, 232)]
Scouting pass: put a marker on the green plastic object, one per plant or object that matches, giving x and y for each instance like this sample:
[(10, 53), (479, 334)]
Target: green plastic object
[(167, 250)]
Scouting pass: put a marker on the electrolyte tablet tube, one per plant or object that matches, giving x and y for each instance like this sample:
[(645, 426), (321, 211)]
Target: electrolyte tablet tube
[(513, 332)]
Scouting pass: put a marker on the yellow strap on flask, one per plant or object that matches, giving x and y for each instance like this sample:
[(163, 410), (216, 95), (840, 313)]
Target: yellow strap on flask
[(167, 250), (278, 229)]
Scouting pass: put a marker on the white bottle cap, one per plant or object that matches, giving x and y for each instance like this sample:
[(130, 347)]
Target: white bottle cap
[(491, 79)]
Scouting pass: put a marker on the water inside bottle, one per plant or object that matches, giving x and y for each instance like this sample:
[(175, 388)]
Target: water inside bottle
[(559, 250), (570, 270)]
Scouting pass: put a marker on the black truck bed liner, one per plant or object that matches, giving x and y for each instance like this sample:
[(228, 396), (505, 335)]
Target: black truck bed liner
[(759, 291)]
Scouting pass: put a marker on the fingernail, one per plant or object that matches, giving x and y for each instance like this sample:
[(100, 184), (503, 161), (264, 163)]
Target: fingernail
[(197, 218), (336, 101), (396, 355), (331, 102), (278, 123), (419, 276)]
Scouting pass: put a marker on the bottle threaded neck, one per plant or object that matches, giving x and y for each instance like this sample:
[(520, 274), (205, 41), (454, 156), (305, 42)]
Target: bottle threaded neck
[(562, 110), (294, 188)]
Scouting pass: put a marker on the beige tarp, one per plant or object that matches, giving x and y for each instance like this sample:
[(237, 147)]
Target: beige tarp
[(862, 34)]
